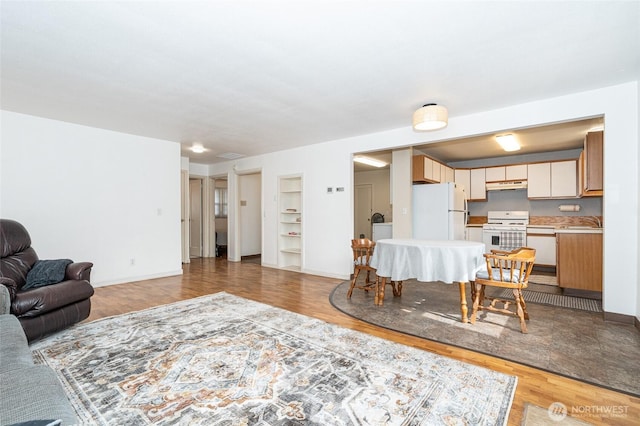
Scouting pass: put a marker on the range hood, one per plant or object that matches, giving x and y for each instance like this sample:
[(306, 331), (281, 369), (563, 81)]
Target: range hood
[(502, 186)]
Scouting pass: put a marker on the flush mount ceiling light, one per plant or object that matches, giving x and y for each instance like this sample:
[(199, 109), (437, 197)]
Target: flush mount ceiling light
[(197, 148), (508, 142), (369, 161), (430, 117)]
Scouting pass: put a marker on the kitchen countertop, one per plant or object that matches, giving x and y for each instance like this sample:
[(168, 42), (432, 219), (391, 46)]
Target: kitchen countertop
[(578, 230), (551, 224), (562, 229)]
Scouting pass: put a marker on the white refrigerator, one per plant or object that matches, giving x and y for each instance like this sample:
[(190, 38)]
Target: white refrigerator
[(439, 211)]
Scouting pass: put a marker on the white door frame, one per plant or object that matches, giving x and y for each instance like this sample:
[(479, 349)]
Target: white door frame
[(196, 216), (208, 219), (184, 215), (233, 235)]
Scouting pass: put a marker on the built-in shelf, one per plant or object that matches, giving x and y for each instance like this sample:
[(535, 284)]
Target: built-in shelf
[(290, 223), (293, 250)]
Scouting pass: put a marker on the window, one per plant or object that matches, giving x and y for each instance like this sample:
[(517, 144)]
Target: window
[(220, 202)]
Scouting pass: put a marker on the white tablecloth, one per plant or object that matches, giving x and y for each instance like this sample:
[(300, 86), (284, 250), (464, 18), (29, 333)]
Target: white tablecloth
[(428, 260)]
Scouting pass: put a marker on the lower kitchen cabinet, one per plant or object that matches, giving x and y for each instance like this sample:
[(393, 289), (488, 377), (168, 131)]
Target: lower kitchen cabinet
[(579, 260), (474, 233), (544, 241)]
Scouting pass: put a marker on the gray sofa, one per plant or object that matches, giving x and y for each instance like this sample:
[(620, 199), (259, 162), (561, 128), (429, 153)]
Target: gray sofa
[(31, 394)]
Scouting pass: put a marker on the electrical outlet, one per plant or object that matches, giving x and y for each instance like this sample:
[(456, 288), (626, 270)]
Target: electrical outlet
[(133, 261)]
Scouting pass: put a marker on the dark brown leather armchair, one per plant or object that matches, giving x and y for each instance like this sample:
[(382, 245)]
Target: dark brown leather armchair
[(46, 309)]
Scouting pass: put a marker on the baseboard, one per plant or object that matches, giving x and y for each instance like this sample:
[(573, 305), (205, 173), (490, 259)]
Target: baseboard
[(636, 323), (138, 278), (621, 318), (326, 274)]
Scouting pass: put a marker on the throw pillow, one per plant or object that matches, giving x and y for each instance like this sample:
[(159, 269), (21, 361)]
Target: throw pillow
[(46, 272)]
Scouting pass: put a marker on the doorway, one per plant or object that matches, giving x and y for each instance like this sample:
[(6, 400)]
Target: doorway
[(220, 198), (250, 216), (195, 217), (363, 202)]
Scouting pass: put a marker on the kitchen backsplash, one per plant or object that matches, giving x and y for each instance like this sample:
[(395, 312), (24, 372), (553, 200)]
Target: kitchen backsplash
[(547, 220), (517, 200)]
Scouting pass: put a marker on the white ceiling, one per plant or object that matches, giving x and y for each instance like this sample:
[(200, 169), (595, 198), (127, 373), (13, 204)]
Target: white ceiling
[(257, 77)]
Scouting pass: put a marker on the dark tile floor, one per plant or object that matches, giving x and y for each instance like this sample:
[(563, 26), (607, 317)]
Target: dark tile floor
[(570, 342)]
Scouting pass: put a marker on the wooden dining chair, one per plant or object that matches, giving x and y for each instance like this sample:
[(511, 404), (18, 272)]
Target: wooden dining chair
[(505, 269), (362, 251)]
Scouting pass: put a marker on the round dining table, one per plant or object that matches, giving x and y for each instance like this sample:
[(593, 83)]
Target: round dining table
[(448, 261)]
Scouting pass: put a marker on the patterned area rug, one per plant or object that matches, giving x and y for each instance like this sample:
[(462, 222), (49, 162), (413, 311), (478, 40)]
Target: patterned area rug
[(224, 360), (570, 342)]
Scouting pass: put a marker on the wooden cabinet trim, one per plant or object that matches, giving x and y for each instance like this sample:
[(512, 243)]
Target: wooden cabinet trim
[(591, 165), (535, 234)]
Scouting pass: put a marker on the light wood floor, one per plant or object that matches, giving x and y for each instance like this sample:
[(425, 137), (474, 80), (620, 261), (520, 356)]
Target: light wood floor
[(309, 295)]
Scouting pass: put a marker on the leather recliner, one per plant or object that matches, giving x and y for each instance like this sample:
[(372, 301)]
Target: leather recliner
[(46, 309)]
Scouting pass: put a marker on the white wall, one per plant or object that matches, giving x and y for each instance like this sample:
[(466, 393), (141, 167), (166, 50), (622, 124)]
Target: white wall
[(637, 188), (93, 195), (402, 183), (329, 218), (122, 181)]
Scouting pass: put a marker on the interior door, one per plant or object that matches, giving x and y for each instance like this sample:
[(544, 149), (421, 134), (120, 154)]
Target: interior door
[(363, 211), (195, 218)]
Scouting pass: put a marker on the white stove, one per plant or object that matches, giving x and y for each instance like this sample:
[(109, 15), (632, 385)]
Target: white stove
[(505, 230), (509, 220)]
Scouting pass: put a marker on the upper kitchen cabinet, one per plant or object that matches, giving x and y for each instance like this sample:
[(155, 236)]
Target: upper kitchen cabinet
[(516, 172), (462, 177), (425, 169), (506, 173), (474, 183), (495, 174), (539, 185), (478, 190), (564, 179), (590, 165), (556, 179), (446, 174)]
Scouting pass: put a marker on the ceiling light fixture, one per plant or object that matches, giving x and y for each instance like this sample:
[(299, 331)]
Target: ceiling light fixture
[(508, 142), (430, 117), (369, 161), (197, 148)]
